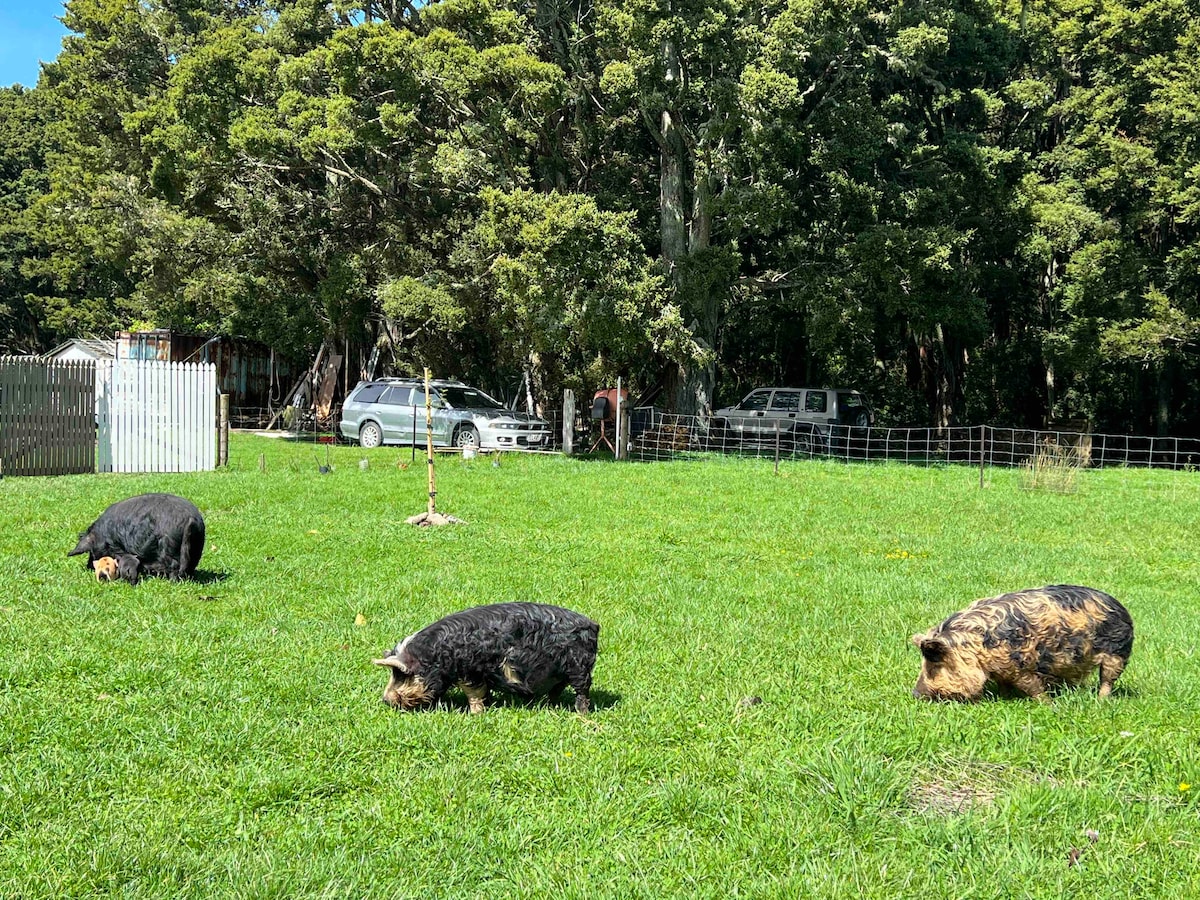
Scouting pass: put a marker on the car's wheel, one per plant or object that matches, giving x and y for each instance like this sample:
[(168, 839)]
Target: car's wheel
[(370, 435), (802, 442), (862, 420), (466, 436)]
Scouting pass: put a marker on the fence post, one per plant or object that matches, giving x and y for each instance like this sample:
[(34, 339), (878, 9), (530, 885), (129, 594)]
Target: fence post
[(429, 442), (776, 446), (624, 423), (568, 424), (223, 432), (618, 421), (981, 443)]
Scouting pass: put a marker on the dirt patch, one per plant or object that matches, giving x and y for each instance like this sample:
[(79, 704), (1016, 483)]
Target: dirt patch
[(954, 791)]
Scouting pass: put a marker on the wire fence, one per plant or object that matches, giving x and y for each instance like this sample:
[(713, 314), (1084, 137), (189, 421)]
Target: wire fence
[(664, 436), (659, 436)]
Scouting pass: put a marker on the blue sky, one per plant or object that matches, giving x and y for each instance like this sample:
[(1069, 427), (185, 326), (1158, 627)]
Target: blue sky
[(29, 33)]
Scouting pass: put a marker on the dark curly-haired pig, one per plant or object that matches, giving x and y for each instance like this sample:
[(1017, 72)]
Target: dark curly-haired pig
[(150, 534), (1029, 640), (528, 649)]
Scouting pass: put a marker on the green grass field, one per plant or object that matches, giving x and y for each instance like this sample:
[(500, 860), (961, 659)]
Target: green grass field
[(225, 738)]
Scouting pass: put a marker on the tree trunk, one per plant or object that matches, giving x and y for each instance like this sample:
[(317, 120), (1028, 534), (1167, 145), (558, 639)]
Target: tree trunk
[(535, 383), (1051, 395), (695, 382), (946, 365), (683, 237), (1162, 406), (670, 195)]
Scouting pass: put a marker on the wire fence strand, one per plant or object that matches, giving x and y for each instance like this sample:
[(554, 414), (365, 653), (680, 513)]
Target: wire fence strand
[(665, 436)]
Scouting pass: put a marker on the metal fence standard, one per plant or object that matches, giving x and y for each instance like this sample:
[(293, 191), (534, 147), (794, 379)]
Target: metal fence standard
[(47, 416), (659, 436)]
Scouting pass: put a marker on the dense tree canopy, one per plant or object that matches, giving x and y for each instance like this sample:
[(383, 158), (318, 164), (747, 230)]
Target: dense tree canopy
[(972, 210)]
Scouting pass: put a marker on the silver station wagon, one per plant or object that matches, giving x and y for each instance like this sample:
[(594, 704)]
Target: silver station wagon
[(805, 416), (392, 411)]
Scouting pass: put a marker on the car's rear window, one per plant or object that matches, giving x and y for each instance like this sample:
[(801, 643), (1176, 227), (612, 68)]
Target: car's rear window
[(786, 401), (848, 400), (816, 401), (368, 393), (398, 396)]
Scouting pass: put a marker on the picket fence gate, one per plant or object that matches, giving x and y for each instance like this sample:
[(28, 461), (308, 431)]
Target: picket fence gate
[(156, 416)]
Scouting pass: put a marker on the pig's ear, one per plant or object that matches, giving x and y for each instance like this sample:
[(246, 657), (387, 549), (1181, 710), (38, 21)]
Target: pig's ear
[(84, 545), (933, 649)]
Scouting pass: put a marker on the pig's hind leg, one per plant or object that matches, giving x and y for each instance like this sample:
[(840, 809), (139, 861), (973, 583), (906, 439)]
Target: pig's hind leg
[(1111, 668), (191, 548), (581, 683)]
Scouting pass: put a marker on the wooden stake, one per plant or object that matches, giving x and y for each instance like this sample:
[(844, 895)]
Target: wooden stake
[(429, 441)]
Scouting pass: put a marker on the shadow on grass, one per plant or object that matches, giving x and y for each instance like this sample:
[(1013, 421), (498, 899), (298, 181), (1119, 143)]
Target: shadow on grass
[(200, 576), (1121, 691), (300, 437), (997, 693), (203, 576), (456, 701)]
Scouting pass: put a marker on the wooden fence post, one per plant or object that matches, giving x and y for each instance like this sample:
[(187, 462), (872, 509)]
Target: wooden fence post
[(568, 425), (429, 442), (620, 448), (624, 426), (223, 432)]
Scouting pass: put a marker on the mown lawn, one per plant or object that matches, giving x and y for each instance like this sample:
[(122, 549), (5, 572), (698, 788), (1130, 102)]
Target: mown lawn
[(226, 738)]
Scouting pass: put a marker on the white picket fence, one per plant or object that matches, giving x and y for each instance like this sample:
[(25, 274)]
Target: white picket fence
[(156, 416)]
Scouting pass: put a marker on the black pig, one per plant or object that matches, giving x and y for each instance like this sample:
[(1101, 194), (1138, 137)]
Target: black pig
[(150, 534), (527, 649)]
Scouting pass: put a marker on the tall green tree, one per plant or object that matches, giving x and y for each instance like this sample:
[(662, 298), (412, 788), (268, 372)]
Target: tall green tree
[(23, 325), (971, 209), (1114, 232)]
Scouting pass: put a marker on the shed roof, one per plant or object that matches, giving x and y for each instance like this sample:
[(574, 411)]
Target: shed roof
[(97, 348)]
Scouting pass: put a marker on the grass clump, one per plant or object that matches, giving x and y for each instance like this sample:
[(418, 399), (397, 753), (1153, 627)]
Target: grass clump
[(1052, 468), (226, 737)]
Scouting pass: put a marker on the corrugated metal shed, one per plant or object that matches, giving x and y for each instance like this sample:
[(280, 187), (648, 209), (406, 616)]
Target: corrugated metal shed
[(246, 370)]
